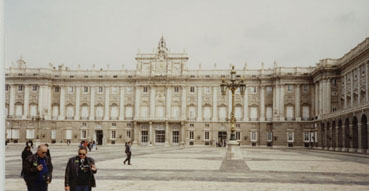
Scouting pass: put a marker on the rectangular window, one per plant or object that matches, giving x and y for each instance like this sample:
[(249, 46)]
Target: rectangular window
[(20, 88), (269, 136), (238, 135), (129, 90), (85, 89), (306, 136), (207, 125), (238, 125), (30, 134), (192, 89), (289, 88), (70, 90), (114, 90), (101, 89), (253, 136), (113, 134), (144, 136), (176, 89), (305, 112), (56, 89), (207, 90), (83, 134), (254, 113), (253, 90), (305, 88), (269, 90), (289, 113), (192, 135), (160, 136), (145, 89), (207, 135), (68, 134), (192, 125), (6, 87), (34, 88), (53, 134), (128, 134), (269, 113), (175, 137), (290, 136)]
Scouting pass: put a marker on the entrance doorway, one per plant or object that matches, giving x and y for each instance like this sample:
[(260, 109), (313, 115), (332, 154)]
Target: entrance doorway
[(99, 137), (222, 139)]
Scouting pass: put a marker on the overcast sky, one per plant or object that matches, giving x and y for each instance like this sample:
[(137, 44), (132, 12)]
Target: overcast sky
[(88, 32)]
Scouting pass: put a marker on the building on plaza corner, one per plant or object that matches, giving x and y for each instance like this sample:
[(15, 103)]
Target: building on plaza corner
[(163, 102)]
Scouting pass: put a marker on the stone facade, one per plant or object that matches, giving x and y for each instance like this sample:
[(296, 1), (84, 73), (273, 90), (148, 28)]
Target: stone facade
[(163, 102)]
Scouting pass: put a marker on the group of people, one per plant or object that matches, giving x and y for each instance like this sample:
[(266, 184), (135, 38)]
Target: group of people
[(79, 173), (90, 145)]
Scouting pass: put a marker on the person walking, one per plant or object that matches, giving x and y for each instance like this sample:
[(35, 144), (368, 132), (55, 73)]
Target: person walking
[(38, 170), (79, 173), (128, 153), (26, 152)]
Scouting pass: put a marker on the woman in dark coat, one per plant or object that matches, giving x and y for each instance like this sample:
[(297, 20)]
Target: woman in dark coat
[(26, 152)]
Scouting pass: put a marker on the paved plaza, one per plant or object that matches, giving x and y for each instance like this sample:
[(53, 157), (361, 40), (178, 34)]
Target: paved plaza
[(206, 168)]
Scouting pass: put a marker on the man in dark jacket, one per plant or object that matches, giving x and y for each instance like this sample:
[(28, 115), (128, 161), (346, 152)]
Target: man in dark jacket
[(26, 152), (79, 174), (128, 153), (38, 170)]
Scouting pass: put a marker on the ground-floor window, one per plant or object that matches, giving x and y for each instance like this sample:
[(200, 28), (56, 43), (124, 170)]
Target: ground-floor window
[(290, 136), (175, 137), (254, 136), (144, 136), (68, 134), (192, 135), (128, 134), (306, 136), (160, 136), (269, 136), (113, 134), (238, 135), (83, 134), (53, 134), (207, 135), (30, 134)]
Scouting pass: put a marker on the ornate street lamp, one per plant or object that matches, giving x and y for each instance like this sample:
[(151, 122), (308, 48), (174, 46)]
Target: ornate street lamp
[(233, 85)]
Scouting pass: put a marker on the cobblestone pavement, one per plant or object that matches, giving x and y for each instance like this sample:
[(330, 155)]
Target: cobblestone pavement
[(206, 168)]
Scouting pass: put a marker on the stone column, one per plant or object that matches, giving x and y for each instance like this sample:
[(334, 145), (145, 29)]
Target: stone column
[(262, 103), (78, 97), (26, 102), (40, 100), (12, 100), (352, 89), (281, 104), (229, 103), (137, 103), (337, 140), (275, 117), (183, 107), (107, 103), (166, 134), (135, 134), (360, 145), (297, 103), (246, 105), (199, 104), (331, 148), (358, 85), (329, 108), (62, 103), (321, 101), (345, 91), (168, 104), (150, 134), (182, 133), (215, 108), (92, 104), (366, 83), (316, 99), (121, 104), (351, 149), (152, 102), (49, 95)]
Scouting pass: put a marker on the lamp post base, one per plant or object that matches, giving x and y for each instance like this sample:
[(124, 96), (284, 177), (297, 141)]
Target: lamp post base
[(234, 151)]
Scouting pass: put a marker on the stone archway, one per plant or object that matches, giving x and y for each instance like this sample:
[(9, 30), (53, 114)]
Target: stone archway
[(334, 135), (347, 134), (340, 134), (364, 133), (355, 133)]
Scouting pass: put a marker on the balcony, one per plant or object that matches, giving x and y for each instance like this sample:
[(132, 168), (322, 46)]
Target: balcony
[(113, 118), (69, 117)]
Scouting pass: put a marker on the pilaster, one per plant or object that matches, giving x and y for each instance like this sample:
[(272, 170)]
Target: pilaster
[(121, 103), (262, 103), (26, 102), (78, 98), (166, 134), (297, 103), (183, 107), (92, 103), (281, 106), (137, 102), (168, 102), (107, 103), (246, 105), (215, 108), (199, 104), (62, 103), (152, 102)]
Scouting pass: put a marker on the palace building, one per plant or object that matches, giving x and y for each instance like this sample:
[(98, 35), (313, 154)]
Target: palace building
[(162, 102)]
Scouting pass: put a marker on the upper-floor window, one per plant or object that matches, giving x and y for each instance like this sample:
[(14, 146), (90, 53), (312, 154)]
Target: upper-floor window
[(305, 88), (84, 124), (334, 82), (85, 89), (269, 90), (20, 88), (176, 89), (100, 89), (253, 90), (114, 90), (129, 90), (56, 89), (34, 88), (238, 125), (207, 90), (192, 89), (289, 88), (6, 87), (207, 125), (114, 124), (145, 89), (192, 125), (70, 90)]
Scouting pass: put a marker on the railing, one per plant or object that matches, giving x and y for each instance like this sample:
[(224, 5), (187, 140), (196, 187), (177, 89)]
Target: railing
[(345, 111)]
